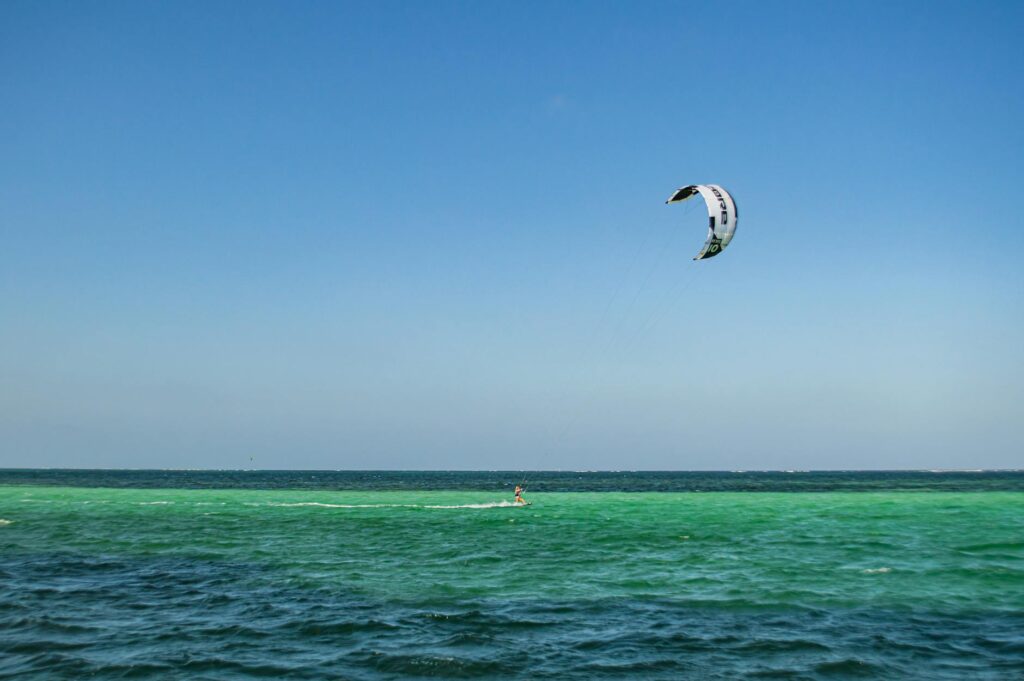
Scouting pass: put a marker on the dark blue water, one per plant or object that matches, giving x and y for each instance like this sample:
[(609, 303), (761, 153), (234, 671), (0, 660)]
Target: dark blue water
[(540, 481)]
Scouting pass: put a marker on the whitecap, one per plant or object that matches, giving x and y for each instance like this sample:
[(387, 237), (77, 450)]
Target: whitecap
[(4, 521), (494, 504), (876, 571)]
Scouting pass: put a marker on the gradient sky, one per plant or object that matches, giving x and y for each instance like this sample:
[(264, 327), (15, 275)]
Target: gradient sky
[(433, 235)]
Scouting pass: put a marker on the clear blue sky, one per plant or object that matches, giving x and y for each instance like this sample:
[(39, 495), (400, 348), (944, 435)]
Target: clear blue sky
[(432, 235)]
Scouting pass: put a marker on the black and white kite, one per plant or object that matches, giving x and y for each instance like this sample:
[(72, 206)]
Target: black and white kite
[(722, 215)]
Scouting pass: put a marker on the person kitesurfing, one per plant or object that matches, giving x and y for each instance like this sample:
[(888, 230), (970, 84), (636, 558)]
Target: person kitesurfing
[(519, 495)]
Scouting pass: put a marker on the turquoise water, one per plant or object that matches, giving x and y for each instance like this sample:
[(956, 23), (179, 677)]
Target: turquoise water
[(377, 583)]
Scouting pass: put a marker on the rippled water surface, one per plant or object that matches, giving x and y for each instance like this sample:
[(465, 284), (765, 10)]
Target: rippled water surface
[(360, 580)]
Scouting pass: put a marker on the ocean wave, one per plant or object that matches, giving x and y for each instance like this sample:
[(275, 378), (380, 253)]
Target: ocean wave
[(493, 504), (4, 521)]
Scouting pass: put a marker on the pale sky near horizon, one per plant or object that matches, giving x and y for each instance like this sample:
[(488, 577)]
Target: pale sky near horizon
[(433, 235)]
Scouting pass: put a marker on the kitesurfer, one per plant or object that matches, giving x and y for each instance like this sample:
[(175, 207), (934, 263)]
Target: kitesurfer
[(519, 495)]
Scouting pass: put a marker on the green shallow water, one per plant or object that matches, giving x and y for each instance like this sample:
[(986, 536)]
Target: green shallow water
[(396, 584)]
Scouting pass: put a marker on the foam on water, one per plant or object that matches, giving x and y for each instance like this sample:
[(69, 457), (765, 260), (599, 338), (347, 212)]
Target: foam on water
[(494, 504)]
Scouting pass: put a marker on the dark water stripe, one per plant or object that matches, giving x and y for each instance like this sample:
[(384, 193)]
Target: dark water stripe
[(537, 481)]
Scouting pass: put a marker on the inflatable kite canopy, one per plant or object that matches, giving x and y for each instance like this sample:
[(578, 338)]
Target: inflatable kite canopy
[(722, 215)]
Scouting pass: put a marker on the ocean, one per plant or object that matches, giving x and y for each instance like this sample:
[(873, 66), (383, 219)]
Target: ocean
[(403, 575)]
